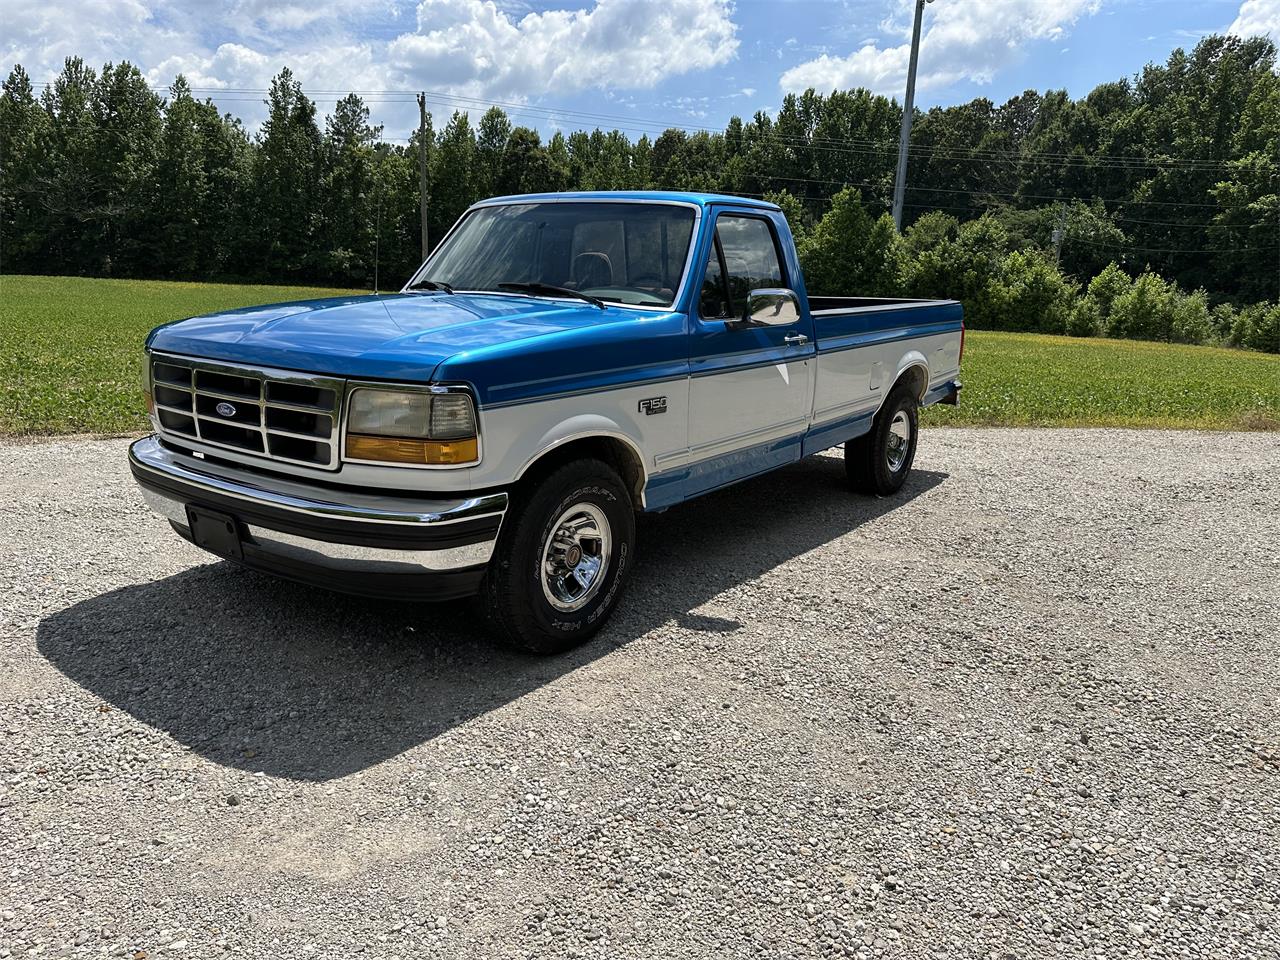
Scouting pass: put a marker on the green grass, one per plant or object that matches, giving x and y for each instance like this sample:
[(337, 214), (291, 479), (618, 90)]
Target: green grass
[(71, 347), (1018, 379), (70, 352)]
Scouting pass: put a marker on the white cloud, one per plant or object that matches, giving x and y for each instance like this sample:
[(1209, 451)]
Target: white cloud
[(1257, 17), (465, 47), (960, 41), (474, 46)]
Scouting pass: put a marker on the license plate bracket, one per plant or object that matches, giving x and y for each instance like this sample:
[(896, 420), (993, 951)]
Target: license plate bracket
[(216, 532)]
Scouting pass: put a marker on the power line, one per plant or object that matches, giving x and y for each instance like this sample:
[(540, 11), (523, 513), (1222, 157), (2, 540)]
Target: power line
[(1128, 248)]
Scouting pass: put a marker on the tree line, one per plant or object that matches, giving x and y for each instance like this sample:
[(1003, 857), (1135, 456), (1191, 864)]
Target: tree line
[(1171, 175)]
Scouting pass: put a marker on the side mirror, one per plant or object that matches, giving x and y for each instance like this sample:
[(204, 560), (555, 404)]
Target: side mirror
[(770, 307)]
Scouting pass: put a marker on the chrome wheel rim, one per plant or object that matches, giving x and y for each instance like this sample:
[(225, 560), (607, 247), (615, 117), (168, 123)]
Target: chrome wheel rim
[(899, 441), (575, 557)]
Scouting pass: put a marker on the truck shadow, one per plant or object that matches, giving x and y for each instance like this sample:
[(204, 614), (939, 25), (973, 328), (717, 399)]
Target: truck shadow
[(270, 676)]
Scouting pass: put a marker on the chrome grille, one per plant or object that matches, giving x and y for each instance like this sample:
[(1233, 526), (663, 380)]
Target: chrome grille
[(276, 414)]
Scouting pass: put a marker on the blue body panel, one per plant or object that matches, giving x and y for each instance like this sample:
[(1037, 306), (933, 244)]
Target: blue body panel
[(514, 349), (396, 337), (858, 328), (675, 486)]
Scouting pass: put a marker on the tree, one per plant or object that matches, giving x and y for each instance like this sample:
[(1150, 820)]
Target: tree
[(287, 175), (349, 214), (454, 177), (23, 223), (1175, 171), (525, 168), (127, 127), (1033, 295), (967, 269), (849, 250), (182, 176), (491, 145), (70, 185)]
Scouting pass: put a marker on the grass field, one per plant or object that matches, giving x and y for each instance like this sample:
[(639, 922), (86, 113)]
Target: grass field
[(70, 353), (1020, 379), (71, 347)]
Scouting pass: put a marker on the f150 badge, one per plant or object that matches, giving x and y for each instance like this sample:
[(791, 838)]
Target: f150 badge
[(653, 405)]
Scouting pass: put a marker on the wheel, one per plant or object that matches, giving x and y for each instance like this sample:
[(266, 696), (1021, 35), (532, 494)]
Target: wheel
[(878, 461), (562, 559)]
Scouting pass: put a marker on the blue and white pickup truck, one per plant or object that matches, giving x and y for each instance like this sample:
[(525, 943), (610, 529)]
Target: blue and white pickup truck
[(558, 364)]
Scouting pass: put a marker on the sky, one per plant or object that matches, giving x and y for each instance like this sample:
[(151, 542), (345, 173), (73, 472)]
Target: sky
[(639, 65)]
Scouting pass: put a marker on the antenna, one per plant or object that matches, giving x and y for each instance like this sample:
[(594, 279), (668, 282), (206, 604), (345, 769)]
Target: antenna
[(377, 229)]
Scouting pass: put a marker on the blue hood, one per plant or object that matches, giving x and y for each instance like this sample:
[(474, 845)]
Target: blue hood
[(402, 336)]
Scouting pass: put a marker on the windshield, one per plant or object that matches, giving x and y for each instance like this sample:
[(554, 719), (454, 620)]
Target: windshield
[(618, 252)]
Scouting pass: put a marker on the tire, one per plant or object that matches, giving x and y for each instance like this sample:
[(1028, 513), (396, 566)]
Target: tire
[(879, 461), (527, 605)]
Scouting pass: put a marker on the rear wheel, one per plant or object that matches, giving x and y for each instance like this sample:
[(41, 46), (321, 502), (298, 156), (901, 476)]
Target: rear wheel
[(879, 461), (562, 559)]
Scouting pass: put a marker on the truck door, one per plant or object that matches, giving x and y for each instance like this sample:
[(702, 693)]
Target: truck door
[(750, 390)]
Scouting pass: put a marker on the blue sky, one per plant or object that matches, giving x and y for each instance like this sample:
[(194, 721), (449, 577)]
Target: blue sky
[(637, 64)]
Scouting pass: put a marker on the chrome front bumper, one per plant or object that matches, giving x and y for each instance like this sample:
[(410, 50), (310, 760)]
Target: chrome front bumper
[(354, 541)]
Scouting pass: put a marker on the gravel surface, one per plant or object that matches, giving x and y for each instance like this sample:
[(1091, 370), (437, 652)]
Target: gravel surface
[(1029, 708)]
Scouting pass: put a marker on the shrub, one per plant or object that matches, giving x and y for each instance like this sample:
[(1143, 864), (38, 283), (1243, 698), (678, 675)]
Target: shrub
[(1085, 319), (1223, 317), (1143, 312), (1266, 329), (1034, 295), (966, 269), (850, 252), (1107, 286), (1257, 326), (1155, 309), (930, 231), (1190, 322)]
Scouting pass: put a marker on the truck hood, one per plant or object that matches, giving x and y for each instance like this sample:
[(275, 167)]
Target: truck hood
[(401, 336)]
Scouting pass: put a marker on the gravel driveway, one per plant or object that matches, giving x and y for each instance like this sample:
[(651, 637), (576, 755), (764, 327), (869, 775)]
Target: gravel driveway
[(1031, 707)]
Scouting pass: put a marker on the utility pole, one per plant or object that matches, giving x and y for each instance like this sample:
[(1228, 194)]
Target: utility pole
[(1059, 232), (908, 106), (422, 170)]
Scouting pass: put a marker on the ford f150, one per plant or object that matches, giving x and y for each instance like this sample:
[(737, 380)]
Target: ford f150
[(559, 363)]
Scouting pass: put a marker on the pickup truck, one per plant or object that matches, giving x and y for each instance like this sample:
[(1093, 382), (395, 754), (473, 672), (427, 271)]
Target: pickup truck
[(557, 365)]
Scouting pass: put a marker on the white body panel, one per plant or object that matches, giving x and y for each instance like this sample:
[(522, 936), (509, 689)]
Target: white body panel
[(743, 408), (849, 381)]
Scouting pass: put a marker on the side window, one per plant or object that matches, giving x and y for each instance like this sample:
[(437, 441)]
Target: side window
[(714, 304), (750, 258), (743, 258)]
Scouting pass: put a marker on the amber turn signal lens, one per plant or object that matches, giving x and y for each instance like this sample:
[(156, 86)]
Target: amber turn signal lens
[(394, 450)]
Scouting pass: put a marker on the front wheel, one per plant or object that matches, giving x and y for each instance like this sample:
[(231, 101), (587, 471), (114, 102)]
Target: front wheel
[(878, 461), (562, 559)]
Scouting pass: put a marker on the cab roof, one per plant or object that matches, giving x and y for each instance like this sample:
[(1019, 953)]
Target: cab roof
[(700, 199)]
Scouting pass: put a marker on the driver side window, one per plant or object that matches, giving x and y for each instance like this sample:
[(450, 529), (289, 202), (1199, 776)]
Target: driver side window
[(744, 257)]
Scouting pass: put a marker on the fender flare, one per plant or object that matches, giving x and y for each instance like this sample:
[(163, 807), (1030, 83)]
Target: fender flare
[(911, 360), (587, 426)]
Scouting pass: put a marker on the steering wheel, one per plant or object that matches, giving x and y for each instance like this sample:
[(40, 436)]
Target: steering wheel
[(646, 280)]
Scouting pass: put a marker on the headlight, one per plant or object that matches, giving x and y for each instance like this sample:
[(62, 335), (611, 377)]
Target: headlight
[(390, 413), (403, 426)]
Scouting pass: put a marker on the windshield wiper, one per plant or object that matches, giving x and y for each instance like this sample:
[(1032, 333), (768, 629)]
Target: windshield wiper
[(430, 285), (551, 290)]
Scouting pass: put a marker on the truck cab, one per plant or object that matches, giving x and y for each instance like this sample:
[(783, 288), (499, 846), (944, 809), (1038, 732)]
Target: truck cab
[(558, 364)]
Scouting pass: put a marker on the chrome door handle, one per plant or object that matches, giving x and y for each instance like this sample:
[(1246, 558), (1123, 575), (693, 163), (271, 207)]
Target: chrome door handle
[(796, 338)]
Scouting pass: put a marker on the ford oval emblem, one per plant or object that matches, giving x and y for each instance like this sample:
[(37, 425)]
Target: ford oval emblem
[(225, 409)]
